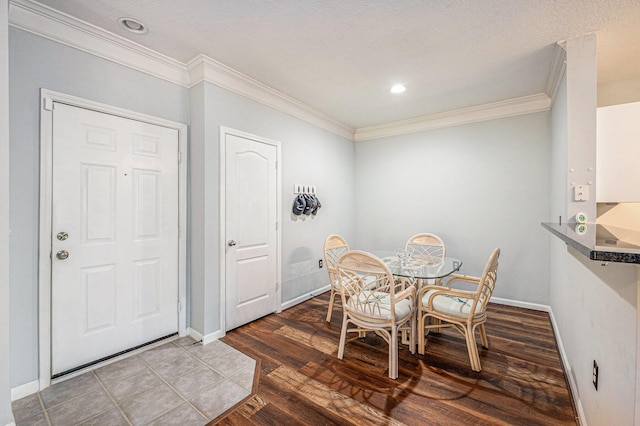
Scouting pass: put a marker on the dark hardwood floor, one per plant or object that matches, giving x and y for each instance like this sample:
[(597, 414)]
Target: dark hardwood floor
[(300, 380)]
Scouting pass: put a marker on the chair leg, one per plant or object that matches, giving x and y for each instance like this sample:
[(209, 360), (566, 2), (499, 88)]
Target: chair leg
[(412, 338), (420, 332), (393, 353), (331, 300), (406, 339), (483, 336), (435, 322), (343, 336), (472, 348)]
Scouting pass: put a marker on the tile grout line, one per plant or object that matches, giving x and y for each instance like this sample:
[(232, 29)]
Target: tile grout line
[(111, 398), (136, 394), (241, 370), (44, 410), (206, 365), (174, 389), (224, 376), (73, 399), (154, 372), (226, 349), (70, 399)]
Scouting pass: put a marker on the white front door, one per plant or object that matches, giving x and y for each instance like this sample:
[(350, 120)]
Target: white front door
[(114, 278), (251, 225)]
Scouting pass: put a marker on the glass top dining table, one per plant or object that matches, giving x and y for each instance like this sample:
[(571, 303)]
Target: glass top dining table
[(419, 268)]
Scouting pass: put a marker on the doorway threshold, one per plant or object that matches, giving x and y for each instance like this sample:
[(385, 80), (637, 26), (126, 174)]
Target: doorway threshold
[(113, 357)]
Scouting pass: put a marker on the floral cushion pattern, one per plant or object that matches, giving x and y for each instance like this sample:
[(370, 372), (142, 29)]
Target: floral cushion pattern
[(451, 305)]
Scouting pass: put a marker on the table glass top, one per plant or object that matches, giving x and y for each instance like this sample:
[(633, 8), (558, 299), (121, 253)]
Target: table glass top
[(421, 268)]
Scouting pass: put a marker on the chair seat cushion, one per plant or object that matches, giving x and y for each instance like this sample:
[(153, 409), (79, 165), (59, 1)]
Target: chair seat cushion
[(402, 308), (450, 305)]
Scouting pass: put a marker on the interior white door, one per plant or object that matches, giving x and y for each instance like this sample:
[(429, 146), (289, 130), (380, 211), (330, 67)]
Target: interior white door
[(114, 236), (251, 223)]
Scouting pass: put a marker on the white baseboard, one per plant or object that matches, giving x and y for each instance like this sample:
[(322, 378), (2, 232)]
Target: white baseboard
[(25, 390), (10, 424), (519, 304), (194, 334), (573, 386), (290, 303), (211, 337), (197, 336)]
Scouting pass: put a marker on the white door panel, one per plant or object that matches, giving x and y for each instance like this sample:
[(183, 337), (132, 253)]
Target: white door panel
[(251, 209), (115, 193)]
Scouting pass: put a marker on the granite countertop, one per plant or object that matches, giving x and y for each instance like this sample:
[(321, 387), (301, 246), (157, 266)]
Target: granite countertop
[(600, 242)]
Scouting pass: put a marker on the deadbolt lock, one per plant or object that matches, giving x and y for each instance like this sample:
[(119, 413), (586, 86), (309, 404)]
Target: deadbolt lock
[(62, 236)]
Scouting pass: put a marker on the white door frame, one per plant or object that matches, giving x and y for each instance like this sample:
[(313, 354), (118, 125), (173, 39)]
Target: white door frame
[(222, 247), (47, 97)]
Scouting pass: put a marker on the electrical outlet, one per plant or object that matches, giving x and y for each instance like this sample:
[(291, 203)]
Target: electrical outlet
[(595, 374), (320, 264)]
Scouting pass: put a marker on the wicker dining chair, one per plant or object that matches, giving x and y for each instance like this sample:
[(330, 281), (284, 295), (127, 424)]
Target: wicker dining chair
[(334, 247), (426, 245), (428, 248), (372, 300), (463, 310)]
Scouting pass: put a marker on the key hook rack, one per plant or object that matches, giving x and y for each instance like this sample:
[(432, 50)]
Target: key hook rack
[(304, 189)]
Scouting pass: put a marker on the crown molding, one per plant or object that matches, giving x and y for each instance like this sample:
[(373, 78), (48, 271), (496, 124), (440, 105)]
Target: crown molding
[(558, 68), (202, 68), (46, 22), (492, 111), (49, 23)]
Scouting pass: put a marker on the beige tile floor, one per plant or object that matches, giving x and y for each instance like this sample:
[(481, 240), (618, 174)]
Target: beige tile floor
[(179, 383)]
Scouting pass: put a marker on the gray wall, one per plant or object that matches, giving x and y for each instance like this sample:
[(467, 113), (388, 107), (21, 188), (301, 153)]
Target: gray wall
[(37, 63), (5, 384), (310, 156), (197, 211), (559, 161), (595, 306), (477, 186)]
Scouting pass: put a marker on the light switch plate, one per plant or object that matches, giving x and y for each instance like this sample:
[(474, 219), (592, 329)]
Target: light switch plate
[(580, 193)]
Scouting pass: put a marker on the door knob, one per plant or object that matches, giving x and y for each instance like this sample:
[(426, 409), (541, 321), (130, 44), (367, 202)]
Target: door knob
[(231, 243), (62, 236), (62, 254)]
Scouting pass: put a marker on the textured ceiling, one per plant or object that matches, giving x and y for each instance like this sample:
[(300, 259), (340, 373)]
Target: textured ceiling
[(342, 56)]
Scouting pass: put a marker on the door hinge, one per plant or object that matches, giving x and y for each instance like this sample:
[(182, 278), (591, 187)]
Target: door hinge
[(277, 286), (179, 157), (276, 165), (179, 307), (47, 104)]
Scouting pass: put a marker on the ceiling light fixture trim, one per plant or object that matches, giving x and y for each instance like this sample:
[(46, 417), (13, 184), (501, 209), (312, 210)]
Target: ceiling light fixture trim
[(133, 25)]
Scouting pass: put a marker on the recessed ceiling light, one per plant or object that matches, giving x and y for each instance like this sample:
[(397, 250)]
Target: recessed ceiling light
[(398, 88), (133, 25)]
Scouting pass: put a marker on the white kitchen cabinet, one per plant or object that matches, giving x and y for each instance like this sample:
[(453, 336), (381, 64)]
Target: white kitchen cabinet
[(618, 153)]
